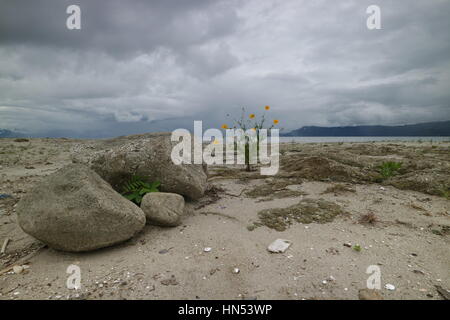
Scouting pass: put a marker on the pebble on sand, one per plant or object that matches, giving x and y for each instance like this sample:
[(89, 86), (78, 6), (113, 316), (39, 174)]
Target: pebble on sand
[(279, 246)]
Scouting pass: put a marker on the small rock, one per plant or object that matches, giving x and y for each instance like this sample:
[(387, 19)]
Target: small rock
[(207, 249), (18, 269), (163, 209), (369, 294), (348, 245), (279, 246), (236, 270), (390, 287)]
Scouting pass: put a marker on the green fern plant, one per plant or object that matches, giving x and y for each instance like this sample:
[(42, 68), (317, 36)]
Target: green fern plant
[(136, 188)]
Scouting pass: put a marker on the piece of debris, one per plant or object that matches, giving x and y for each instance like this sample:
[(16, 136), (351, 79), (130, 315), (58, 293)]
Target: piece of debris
[(348, 245), (444, 293), (236, 270), (390, 287), (18, 269), (5, 244), (333, 251), (279, 246), (172, 281), (212, 271), (369, 294), (164, 251), (207, 249), (5, 196)]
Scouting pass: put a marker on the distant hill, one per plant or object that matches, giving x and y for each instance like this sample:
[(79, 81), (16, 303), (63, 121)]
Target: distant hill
[(429, 129), (5, 133)]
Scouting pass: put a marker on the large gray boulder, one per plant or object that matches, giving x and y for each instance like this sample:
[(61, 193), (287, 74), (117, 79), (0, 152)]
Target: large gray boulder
[(74, 209), (163, 209), (146, 155)]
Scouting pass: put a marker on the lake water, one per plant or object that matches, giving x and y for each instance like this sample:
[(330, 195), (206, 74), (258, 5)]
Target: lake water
[(361, 139)]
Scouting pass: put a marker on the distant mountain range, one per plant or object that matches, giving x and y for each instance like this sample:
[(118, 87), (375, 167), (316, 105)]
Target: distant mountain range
[(5, 133), (428, 129)]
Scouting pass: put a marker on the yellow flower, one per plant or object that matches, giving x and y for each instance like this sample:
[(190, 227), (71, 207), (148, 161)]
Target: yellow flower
[(267, 107), (254, 129), (252, 116), (216, 141), (275, 121), (224, 126)]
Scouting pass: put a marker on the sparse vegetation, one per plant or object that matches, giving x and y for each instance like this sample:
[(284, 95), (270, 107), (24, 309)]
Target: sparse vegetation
[(275, 190), (445, 193), (369, 218), (338, 189), (135, 189), (389, 168), (306, 211), (251, 122)]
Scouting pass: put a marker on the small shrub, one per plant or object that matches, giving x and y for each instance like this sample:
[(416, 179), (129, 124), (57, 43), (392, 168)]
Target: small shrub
[(369, 218), (389, 168), (445, 193), (251, 123), (135, 189)]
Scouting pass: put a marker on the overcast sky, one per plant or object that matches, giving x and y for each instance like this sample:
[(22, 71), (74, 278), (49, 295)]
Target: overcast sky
[(139, 66)]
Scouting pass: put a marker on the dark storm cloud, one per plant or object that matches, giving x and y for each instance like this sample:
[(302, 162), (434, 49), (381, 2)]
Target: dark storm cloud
[(157, 65), (115, 26)]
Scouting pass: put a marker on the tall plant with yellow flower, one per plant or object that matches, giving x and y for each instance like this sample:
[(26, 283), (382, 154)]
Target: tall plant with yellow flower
[(251, 121)]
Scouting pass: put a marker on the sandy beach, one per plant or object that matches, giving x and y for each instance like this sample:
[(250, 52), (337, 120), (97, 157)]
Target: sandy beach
[(328, 200)]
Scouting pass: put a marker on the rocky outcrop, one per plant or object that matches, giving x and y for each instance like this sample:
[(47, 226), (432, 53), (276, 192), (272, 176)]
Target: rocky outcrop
[(148, 156)]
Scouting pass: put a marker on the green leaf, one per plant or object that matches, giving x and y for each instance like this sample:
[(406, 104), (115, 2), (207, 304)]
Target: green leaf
[(135, 189)]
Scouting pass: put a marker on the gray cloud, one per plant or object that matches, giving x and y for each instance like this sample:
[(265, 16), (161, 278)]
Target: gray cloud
[(157, 65)]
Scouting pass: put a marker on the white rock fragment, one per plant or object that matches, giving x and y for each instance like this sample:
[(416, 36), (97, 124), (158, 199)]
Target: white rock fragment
[(279, 246), (17, 269), (390, 287), (207, 249), (236, 270)]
